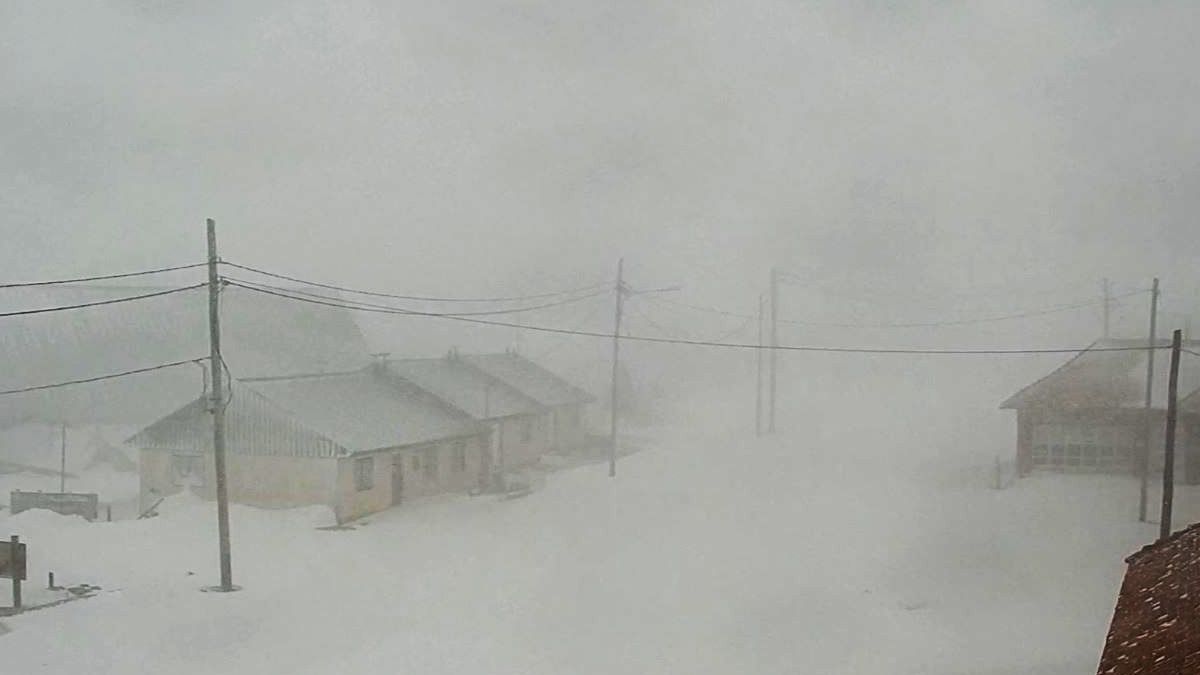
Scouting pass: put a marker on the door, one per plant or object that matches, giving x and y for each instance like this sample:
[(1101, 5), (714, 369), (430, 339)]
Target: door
[(397, 478)]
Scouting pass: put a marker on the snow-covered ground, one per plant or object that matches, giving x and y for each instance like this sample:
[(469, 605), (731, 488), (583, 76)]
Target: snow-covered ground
[(712, 552)]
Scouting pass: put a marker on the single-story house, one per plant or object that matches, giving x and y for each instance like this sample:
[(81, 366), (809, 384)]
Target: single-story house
[(563, 423), (1153, 629), (358, 441), (517, 433), (1089, 415)]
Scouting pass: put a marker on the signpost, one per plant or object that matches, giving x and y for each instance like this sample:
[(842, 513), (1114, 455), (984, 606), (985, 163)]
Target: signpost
[(12, 566)]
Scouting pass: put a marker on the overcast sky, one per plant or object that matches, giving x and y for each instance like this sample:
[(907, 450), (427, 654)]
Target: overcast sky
[(464, 147)]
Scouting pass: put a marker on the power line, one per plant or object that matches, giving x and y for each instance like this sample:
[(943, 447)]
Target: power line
[(703, 343), (369, 305), (103, 277), (98, 303), (100, 377), (915, 324), (344, 289)]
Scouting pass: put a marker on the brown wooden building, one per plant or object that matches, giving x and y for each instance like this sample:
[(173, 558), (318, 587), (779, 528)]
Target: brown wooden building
[(1089, 415)]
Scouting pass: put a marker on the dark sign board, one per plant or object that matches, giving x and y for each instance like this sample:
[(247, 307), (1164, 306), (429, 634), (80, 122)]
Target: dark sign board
[(12, 560), (66, 503)]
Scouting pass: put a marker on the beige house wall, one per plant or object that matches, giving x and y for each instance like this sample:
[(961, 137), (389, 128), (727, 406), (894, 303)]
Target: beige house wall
[(257, 480)]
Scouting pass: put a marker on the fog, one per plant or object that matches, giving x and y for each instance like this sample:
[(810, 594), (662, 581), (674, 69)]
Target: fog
[(944, 165)]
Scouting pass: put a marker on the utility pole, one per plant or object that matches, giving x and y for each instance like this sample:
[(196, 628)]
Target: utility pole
[(217, 404), (62, 464), (774, 346), (1151, 345), (612, 448), (758, 388), (1168, 478), (1107, 308)]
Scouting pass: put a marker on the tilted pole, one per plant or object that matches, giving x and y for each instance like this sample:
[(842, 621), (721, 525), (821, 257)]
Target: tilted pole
[(217, 405), (774, 345), (758, 388), (1168, 478), (616, 356), (1151, 345)]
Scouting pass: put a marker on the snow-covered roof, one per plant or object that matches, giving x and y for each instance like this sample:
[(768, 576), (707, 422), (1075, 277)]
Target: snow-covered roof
[(1109, 379), (529, 378), (465, 387), (318, 415), (40, 446), (1153, 630)]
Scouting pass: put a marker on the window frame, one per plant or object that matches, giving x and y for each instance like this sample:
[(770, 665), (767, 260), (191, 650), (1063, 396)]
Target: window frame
[(364, 473)]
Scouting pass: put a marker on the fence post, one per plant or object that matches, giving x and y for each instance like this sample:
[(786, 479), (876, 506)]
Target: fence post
[(16, 578)]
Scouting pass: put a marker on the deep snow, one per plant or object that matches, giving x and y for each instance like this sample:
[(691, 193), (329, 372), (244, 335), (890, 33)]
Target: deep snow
[(710, 553)]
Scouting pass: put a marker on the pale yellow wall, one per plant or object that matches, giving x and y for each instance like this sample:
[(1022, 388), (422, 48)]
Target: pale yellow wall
[(517, 452), (353, 503), (257, 480)]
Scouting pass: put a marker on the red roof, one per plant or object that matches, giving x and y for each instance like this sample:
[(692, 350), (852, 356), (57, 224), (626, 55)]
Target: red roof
[(1156, 626)]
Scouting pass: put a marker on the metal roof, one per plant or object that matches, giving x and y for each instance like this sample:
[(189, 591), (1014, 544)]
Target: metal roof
[(529, 378), (319, 415), (465, 387), (1109, 379)]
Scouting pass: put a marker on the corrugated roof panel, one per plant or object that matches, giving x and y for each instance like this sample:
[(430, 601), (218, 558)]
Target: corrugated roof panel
[(529, 378), (465, 387)]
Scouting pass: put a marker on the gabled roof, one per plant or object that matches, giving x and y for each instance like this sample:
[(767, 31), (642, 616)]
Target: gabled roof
[(318, 415), (529, 378), (261, 336), (465, 387), (1153, 630), (1109, 379)]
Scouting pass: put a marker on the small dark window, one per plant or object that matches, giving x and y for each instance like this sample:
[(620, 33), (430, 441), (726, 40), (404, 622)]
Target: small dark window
[(526, 430), (431, 463), (364, 473)]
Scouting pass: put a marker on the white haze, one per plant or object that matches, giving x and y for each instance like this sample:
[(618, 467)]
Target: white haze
[(907, 162)]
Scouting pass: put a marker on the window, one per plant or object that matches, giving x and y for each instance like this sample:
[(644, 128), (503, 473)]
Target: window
[(459, 457), (187, 470), (416, 462), (431, 463), (364, 473), (526, 430)]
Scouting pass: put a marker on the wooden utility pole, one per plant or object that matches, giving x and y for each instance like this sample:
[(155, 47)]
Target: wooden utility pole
[(758, 388), (616, 360), (774, 346), (1151, 345), (217, 403), (1168, 478), (62, 462), (1107, 308)]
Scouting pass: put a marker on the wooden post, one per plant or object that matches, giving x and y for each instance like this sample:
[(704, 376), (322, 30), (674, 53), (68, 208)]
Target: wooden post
[(16, 578), (50, 580), (616, 361), (1168, 478), (758, 388), (218, 408), (1151, 345), (108, 511)]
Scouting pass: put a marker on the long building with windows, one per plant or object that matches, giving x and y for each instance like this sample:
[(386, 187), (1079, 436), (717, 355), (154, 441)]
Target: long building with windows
[(1090, 414), (359, 441)]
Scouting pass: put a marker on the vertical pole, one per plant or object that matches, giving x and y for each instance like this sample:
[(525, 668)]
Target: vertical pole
[(218, 407), (616, 360), (62, 462), (1107, 309), (15, 541), (1168, 478), (774, 344), (758, 388), (1151, 344)]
